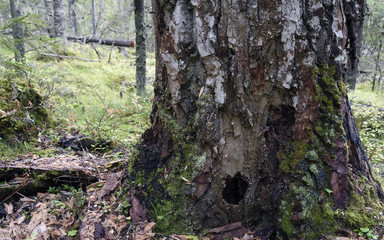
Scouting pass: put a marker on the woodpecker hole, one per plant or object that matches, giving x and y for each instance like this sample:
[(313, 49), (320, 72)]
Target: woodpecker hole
[(235, 189)]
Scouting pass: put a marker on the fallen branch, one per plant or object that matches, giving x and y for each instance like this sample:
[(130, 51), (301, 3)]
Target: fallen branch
[(110, 42), (61, 56), (28, 177)]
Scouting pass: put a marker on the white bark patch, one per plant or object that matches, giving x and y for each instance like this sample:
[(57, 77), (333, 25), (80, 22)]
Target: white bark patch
[(338, 25), (219, 90), (292, 23), (314, 22), (181, 24), (203, 42), (215, 78)]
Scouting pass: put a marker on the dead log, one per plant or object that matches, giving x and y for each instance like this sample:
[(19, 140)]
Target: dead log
[(28, 177), (110, 42)]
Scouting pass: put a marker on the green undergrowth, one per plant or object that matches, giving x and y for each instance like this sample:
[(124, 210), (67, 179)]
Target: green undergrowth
[(368, 111), (22, 111), (95, 98)]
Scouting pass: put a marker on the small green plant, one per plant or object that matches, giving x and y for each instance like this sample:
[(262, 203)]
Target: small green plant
[(329, 191), (54, 190), (366, 232), (72, 233)]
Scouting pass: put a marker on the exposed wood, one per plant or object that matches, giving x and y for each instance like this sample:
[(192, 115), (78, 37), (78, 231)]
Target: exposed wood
[(114, 42), (68, 57)]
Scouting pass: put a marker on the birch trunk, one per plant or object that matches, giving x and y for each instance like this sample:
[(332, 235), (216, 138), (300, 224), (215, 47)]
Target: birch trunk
[(251, 120)]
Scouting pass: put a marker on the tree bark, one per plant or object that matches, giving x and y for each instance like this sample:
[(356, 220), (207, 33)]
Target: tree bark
[(140, 47), (17, 31), (251, 121), (72, 17), (355, 34), (59, 24)]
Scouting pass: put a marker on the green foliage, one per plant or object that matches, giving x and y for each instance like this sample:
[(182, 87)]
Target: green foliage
[(72, 233), (368, 110), (96, 98), (366, 232)]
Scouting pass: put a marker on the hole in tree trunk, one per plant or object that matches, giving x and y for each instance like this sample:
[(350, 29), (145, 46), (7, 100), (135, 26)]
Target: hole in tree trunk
[(235, 189)]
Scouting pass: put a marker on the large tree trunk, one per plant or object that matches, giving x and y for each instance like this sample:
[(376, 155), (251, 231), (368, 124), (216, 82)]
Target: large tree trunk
[(17, 31), (251, 120), (140, 47)]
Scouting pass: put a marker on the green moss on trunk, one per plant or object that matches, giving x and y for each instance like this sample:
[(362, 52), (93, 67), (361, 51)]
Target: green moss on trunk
[(308, 208)]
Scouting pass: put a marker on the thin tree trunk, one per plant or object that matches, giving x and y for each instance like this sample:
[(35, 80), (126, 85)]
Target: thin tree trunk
[(251, 121), (377, 68), (72, 17), (17, 31), (100, 13), (94, 20), (59, 19), (140, 47)]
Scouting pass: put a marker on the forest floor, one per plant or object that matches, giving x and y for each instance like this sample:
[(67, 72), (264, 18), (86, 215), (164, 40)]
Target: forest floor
[(82, 159)]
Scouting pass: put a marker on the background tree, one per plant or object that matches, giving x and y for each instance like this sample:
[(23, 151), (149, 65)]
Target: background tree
[(251, 120), (17, 30), (49, 17), (373, 41), (72, 17), (59, 18), (140, 47), (94, 20)]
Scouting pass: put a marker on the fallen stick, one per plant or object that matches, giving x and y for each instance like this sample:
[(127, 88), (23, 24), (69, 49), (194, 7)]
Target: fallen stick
[(61, 56)]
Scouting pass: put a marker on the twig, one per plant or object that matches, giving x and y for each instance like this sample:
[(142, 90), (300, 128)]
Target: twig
[(61, 56)]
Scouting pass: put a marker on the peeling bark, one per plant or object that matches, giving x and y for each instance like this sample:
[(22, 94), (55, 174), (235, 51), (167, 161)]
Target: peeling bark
[(250, 97)]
